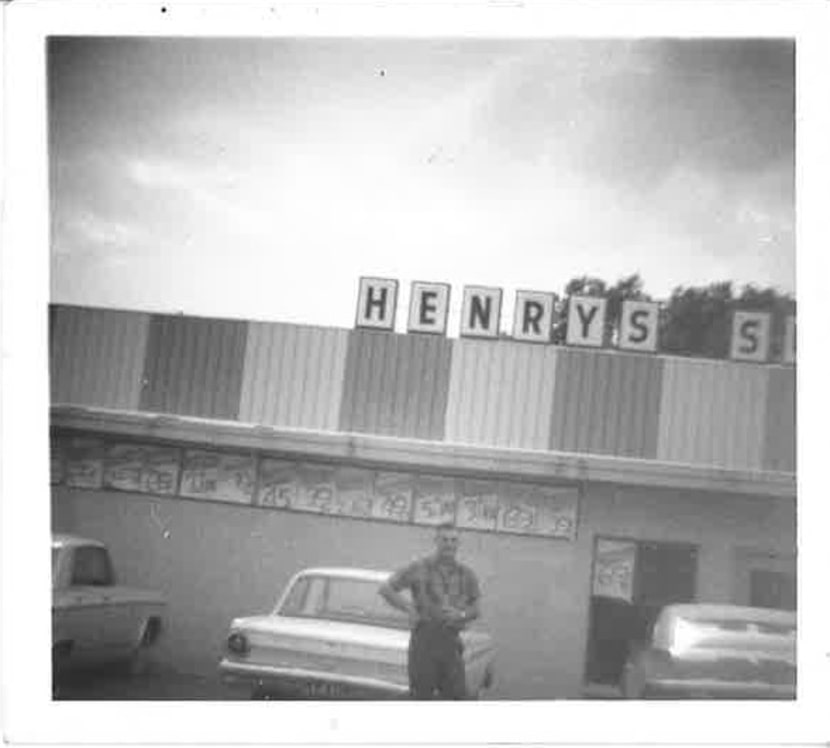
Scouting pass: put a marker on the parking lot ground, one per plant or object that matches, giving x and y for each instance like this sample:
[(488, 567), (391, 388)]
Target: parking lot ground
[(158, 683)]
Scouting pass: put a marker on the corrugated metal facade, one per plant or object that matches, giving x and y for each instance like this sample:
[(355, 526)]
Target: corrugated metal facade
[(96, 356), (606, 403), (293, 376), (396, 385), (493, 393), (501, 394), (712, 413), (780, 426), (194, 366)]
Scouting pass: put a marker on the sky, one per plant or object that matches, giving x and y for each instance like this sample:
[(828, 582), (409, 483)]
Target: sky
[(259, 179)]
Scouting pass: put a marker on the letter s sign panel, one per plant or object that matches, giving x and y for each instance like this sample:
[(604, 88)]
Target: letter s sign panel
[(377, 301), (638, 325), (750, 336)]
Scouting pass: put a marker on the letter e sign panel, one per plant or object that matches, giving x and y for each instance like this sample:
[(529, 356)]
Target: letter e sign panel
[(750, 336), (638, 325), (377, 301), (428, 307), (586, 320), (533, 316), (480, 312)]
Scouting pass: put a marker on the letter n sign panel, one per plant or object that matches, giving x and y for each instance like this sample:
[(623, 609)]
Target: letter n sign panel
[(638, 325), (750, 336), (377, 301), (586, 321), (533, 316), (428, 307), (480, 312)]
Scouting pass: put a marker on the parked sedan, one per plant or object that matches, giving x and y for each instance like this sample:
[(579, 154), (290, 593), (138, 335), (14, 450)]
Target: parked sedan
[(715, 652), (96, 621), (331, 636)]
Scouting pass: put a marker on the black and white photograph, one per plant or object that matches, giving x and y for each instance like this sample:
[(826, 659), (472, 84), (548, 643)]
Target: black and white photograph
[(374, 362)]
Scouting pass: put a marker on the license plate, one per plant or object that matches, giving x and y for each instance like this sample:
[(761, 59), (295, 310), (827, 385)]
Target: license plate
[(324, 690)]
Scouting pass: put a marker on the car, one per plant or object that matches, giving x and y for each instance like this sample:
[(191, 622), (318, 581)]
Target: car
[(715, 652), (332, 636), (95, 620)]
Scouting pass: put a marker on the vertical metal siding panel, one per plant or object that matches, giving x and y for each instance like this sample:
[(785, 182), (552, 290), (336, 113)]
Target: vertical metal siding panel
[(396, 385), (710, 414), (293, 376), (194, 366), (562, 416), (780, 432), (460, 425), (97, 357)]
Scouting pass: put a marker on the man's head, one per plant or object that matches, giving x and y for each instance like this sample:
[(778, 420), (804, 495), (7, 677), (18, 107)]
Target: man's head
[(446, 541)]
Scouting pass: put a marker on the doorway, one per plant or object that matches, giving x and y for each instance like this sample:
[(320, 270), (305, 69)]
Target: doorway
[(631, 581)]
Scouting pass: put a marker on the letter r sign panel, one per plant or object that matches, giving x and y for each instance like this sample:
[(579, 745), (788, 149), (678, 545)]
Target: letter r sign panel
[(750, 336), (586, 321), (638, 325), (377, 301), (428, 307), (533, 316)]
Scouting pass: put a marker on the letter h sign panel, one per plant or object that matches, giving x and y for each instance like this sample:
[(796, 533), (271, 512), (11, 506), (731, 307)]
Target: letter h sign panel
[(377, 302)]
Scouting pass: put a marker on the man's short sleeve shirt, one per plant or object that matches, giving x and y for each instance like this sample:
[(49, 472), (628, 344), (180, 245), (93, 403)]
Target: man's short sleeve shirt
[(435, 585)]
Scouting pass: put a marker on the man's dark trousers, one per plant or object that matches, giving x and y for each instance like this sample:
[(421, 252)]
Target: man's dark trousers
[(436, 662)]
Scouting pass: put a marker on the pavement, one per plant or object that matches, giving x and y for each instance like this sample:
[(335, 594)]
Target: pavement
[(156, 683)]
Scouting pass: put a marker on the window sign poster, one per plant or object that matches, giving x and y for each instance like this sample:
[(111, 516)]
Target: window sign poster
[(353, 492), (518, 510), (614, 569), (218, 476), (84, 462), (557, 511), (434, 501), (317, 491), (161, 470), (277, 483), (478, 505), (393, 496), (123, 466), (55, 461)]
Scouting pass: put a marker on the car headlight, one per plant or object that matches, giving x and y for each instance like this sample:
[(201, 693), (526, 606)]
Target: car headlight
[(238, 643)]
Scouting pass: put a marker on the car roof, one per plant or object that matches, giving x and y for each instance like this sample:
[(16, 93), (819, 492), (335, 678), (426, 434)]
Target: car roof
[(345, 572), (698, 611), (63, 540)]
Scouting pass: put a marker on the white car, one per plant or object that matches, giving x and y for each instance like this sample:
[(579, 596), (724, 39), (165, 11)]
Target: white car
[(331, 636), (700, 651), (96, 621)]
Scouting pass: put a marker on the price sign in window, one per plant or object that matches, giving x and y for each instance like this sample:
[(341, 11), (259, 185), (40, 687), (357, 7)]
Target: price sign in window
[(393, 496), (277, 483)]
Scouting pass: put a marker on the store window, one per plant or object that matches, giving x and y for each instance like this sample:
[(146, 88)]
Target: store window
[(632, 580), (765, 579)]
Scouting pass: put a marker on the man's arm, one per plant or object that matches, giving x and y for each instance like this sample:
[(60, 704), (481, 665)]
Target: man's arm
[(394, 597)]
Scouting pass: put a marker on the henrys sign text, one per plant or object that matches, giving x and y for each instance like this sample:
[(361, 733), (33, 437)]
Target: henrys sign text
[(481, 310)]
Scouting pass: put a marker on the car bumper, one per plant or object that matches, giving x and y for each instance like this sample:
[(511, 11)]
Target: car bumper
[(717, 689), (302, 683)]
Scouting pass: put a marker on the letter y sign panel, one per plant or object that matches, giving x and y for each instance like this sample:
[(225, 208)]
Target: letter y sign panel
[(586, 321)]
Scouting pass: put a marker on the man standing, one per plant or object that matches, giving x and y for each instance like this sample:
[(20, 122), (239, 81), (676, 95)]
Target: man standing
[(445, 596)]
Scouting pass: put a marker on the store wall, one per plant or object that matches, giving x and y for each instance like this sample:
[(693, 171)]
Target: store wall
[(214, 561)]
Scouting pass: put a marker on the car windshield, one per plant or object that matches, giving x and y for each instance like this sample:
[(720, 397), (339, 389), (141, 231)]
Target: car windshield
[(341, 599)]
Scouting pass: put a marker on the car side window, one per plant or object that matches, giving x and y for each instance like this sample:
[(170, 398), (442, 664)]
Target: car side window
[(91, 567)]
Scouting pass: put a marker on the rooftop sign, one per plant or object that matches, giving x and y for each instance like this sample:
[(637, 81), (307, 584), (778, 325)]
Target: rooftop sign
[(481, 308)]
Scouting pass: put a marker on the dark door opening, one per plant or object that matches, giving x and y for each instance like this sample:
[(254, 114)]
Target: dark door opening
[(632, 581)]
